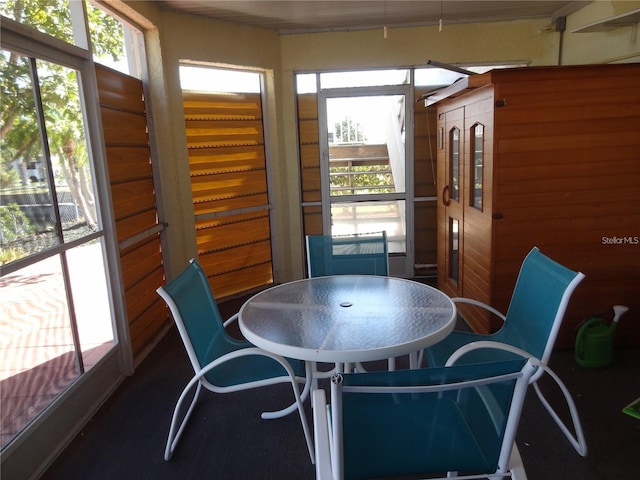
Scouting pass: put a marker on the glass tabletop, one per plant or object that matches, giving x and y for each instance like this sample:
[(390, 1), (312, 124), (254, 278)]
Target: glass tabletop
[(347, 318)]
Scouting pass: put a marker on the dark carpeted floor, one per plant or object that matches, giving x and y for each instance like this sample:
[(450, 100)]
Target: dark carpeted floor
[(227, 439)]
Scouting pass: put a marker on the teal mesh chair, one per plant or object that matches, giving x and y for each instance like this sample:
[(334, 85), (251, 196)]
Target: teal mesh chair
[(221, 363), (357, 254), (530, 328), (459, 421)]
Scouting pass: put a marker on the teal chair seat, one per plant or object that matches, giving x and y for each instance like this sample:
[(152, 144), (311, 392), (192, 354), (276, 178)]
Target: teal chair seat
[(221, 363), (357, 254), (538, 305), (454, 421)]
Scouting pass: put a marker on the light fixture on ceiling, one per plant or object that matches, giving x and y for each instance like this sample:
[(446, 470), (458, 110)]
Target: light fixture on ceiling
[(441, 10), (384, 30)]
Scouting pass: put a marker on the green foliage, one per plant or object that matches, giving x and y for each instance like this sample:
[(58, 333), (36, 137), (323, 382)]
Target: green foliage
[(14, 225), (377, 178), (58, 85), (48, 16), (8, 177), (349, 132), (8, 255), (107, 34)]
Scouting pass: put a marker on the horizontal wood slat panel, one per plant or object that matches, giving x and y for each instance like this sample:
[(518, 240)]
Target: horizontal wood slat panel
[(234, 283), (136, 223), (228, 172), (310, 156), (425, 232), (311, 186), (308, 132), (146, 327), (563, 185), (224, 132), (564, 128), (231, 231), (538, 113), (238, 258), (143, 293), (307, 106), (424, 170), (128, 162), (567, 169), (310, 172), (235, 252), (228, 185), (567, 144), (312, 220), (133, 196), (566, 92), (228, 205), (577, 157), (424, 185), (124, 128), (554, 77), (588, 203), (136, 262), (143, 273), (119, 91), (237, 105), (226, 159), (134, 203)]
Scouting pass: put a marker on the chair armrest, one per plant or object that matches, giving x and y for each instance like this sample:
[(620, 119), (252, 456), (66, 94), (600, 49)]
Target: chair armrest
[(455, 356), (577, 441), (480, 304), (230, 320), (321, 430)]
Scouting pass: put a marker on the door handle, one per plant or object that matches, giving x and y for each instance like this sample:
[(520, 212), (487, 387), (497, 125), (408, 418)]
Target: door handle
[(445, 196)]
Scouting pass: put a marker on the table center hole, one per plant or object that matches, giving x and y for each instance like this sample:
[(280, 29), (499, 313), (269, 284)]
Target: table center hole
[(345, 304)]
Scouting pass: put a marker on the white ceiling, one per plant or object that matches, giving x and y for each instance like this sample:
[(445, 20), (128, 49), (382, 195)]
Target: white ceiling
[(294, 16)]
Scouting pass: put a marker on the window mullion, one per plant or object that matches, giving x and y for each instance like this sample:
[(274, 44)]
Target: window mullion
[(42, 128)]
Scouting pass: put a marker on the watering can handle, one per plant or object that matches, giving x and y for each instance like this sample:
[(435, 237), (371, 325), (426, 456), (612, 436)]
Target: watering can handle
[(582, 332)]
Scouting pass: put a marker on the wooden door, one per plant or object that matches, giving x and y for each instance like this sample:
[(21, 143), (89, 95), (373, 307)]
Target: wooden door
[(451, 133), (477, 186)]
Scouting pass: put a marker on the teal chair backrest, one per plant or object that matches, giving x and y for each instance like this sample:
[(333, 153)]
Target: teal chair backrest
[(357, 254), (200, 323), (537, 306), (442, 419)]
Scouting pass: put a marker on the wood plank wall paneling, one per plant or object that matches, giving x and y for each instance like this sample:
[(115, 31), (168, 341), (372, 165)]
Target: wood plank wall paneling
[(309, 148), (477, 270), (312, 220), (566, 176), (227, 164), (425, 142), (424, 178), (572, 142), (134, 204)]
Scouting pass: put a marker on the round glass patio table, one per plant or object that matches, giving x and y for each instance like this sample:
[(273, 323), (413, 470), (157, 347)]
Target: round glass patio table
[(347, 318)]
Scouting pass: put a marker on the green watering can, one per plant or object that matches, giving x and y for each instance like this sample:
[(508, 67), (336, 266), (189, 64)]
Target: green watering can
[(594, 343)]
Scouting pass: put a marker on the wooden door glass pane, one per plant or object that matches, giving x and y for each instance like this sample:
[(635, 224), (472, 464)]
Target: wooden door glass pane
[(453, 249), (454, 163), (477, 136)]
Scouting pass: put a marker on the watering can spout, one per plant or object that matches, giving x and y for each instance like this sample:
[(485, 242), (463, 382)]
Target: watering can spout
[(618, 311)]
